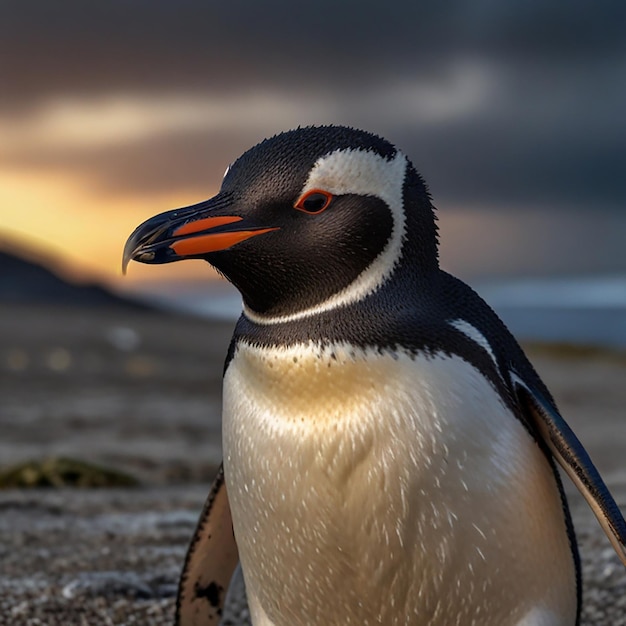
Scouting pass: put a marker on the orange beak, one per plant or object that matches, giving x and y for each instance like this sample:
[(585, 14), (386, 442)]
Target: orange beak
[(202, 244), (191, 232)]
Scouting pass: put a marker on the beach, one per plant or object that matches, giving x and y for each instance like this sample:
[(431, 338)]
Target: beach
[(139, 393)]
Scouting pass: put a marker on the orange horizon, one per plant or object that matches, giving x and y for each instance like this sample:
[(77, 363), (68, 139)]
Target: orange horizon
[(56, 208), (56, 219), (65, 214)]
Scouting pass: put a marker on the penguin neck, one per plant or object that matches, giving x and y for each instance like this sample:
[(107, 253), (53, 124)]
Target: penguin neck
[(379, 320)]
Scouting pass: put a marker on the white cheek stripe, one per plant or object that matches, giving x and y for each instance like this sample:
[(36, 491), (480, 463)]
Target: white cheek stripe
[(471, 332), (363, 173)]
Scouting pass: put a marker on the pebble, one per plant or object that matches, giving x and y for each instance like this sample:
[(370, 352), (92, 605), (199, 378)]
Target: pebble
[(69, 589)]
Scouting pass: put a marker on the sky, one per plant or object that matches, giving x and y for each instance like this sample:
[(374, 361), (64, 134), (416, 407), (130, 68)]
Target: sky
[(114, 111)]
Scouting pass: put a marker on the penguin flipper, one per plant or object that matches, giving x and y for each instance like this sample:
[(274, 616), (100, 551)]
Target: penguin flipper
[(211, 559), (573, 458)]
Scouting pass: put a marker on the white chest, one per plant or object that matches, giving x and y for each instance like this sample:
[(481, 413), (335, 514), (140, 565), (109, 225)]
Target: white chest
[(377, 488)]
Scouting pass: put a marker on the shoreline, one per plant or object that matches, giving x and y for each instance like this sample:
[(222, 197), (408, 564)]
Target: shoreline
[(140, 393)]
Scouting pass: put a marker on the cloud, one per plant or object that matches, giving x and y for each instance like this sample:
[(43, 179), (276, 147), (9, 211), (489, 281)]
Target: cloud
[(498, 103), (142, 144), (75, 47), (76, 123)]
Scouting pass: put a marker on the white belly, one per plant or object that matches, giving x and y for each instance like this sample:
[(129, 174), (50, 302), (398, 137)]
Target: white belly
[(386, 490)]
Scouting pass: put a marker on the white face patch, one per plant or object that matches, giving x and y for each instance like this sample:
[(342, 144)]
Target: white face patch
[(364, 173), (476, 336)]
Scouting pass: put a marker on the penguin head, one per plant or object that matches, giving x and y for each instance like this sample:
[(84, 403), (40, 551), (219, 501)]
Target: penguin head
[(305, 221)]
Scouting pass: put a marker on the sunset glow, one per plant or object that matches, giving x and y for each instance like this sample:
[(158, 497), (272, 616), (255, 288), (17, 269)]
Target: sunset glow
[(48, 201), (55, 213), (111, 114)]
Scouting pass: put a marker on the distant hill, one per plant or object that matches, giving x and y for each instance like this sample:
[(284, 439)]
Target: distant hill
[(25, 278)]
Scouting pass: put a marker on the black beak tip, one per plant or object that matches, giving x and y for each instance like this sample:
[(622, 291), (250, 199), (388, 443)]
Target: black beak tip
[(130, 250), (145, 234), (127, 257), (144, 257), (134, 253)]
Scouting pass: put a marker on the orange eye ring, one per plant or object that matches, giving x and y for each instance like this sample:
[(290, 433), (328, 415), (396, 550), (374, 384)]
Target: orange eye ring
[(314, 201)]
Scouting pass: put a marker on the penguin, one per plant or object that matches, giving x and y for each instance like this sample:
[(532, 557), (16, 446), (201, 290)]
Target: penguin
[(390, 454)]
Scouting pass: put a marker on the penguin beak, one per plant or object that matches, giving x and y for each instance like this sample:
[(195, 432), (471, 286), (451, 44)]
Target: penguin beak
[(188, 233)]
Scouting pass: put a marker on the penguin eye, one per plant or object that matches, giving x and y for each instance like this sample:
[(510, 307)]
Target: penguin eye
[(314, 201)]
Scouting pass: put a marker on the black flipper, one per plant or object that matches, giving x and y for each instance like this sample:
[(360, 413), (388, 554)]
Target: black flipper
[(573, 458), (211, 560)]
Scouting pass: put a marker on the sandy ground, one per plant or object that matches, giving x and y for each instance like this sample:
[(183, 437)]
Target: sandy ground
[(140, 393)]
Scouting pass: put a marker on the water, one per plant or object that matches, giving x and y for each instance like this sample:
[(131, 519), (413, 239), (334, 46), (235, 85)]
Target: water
[(582, 311), (207, 301)]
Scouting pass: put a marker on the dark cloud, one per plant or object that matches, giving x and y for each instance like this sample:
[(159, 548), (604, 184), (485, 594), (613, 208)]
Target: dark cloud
[(532, 242), (515, 160), (466, 167), (77, 47), (552, 131)]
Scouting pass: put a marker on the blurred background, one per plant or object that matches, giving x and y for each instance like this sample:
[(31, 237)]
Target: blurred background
[(111, 112), (513, 112)]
